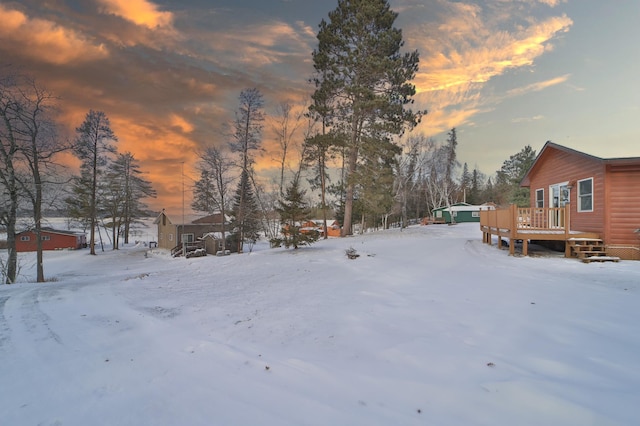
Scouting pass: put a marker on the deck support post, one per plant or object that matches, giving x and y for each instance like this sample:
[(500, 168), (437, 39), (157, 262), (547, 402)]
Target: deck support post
[(513, 229), (567, 230)]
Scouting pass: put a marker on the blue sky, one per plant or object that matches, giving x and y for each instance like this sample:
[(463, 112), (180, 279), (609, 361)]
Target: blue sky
[(505, 73)]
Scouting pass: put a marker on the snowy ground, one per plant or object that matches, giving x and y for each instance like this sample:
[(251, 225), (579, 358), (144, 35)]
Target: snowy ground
[(427, 327)]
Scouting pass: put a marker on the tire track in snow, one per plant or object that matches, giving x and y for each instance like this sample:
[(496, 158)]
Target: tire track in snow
[(35, 320)]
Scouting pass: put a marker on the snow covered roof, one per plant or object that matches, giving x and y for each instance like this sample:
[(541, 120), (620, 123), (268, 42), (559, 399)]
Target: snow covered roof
[(54, 231), (464, 207)]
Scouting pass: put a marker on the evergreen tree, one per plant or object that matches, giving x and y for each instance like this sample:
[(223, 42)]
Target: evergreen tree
[(511, 173), (93, 146), (246, 215), (374, 183), (475, 193), (126, 170), (489, 193), (247, 137), (203, 193), (465, 184), (293, 212), (362, 80)]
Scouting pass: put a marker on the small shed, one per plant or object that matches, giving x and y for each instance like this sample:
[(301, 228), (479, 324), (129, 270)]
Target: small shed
[(52, 239), (461, 212)]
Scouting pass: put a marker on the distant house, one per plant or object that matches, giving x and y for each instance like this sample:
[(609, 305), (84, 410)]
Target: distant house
[(461, 212), (577, 197), (52, 239), (172, 232), (333, 227)]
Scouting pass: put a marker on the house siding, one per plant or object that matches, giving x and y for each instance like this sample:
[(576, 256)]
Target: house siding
[(169, 234), (624, 205), (55, 241), (166, 233)]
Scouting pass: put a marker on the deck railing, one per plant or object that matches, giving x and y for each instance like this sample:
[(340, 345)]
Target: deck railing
[(527, 218), (523, 223)]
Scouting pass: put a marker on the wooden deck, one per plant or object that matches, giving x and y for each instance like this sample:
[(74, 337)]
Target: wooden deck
[(526, 224)]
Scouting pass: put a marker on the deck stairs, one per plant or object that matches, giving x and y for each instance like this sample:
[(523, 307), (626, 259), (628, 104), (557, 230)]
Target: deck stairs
[(590, 250), (192, 249)]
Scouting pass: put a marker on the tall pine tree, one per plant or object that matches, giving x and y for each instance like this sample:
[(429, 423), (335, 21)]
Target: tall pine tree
[(245, 224), (93, 146), (362, 81)]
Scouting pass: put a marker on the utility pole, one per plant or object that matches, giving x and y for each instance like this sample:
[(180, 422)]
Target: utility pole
[(184, 246)]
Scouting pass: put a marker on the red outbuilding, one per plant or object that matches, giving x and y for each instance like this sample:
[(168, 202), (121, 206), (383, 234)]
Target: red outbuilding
[(52, 239)]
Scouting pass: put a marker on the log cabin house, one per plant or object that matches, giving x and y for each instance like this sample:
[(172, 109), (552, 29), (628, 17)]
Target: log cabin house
[(591, 204)]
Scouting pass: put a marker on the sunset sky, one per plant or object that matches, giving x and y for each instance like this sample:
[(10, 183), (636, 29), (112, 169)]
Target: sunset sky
[(505, 73)]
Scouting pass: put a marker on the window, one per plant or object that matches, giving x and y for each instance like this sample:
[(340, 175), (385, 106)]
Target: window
[(585, 195), (45, 237), (475, 214), (540, 198), (25, 238), (170, 237), (439, 213)]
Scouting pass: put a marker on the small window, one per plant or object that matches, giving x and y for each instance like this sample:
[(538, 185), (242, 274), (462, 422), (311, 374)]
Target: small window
[(25, 238), (540, 198), (439, 213), (585, 195), (170, 237), (475, 214), (45, 237)]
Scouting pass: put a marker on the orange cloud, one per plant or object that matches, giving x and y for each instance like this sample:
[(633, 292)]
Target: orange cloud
[(45, 40), (466, 53), (181, 123), (140, 12), (536, 87)]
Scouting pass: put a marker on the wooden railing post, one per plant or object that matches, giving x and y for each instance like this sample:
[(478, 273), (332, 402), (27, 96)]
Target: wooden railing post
[(513, 229)]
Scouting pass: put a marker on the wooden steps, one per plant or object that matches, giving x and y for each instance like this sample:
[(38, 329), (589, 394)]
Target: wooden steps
[(590, 250)]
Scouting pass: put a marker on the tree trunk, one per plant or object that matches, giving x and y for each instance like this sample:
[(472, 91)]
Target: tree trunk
[(94, 184), (348, 202), (37, 215), (12, 254)]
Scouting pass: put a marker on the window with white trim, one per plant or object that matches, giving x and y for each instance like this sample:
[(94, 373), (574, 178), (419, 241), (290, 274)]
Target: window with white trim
[(585, 195), (25, 238), (540, 198), (475, 214)]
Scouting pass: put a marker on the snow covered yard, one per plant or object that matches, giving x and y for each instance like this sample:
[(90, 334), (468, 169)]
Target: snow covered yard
[(427, 327)]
